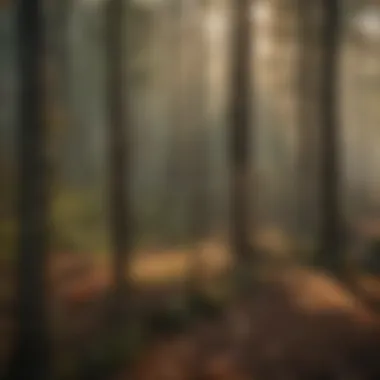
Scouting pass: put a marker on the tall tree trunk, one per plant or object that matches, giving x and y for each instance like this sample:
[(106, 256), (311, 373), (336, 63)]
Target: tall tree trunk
[(199, 156), (307, 127), (330, 254), (57, 55), (240, 104), (175, 180), (32, 355), (119, 152), (59, 17)]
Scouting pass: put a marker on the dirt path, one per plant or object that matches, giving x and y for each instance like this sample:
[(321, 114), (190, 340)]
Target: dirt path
[(303, 325)]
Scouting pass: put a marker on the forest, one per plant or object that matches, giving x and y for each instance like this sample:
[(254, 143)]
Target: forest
[(189, 189)]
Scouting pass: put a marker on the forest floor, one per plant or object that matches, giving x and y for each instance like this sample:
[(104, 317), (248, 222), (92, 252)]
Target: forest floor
[(296, 323), (301, 324)]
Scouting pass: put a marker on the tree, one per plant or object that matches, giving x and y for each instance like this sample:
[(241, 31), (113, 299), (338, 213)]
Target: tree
[(199, 173), (307, 126), (118, 150), (240, 104), (31, 357), (174, 197), (330, 254)]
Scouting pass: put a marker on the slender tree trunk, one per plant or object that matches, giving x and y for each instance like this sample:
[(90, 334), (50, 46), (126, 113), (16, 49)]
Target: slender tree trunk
[(119, 151), (240, 104), (32, 354), (330, 254), (307, 133), (175, 180), (59, 18), (199, 156), (57, 56)]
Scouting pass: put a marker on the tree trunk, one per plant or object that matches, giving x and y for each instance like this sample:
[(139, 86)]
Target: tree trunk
[(307, 125), (330, 255), (119, 152), (176, 186), (32, 354), (173, 91), (57, 80), (240, 103), (199, 156)]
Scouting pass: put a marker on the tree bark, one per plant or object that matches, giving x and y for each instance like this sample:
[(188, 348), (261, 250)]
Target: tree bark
[(32, 354), (240, 103), (306, 158), (119, 149), (330, 254), (199, 173), (176, 186)]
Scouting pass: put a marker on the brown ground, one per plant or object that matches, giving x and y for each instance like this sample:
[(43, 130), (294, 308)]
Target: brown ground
[(300, 324), (303, 325)]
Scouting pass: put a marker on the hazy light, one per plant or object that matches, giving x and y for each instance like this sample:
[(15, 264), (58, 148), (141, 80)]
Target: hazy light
[(149, 4), (261, 15), (261, 12), (368, 22), (93, 2), (215, 24)]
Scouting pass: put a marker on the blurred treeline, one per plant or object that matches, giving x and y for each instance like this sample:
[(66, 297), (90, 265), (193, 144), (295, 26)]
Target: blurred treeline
[(218, 144), (177, 80)]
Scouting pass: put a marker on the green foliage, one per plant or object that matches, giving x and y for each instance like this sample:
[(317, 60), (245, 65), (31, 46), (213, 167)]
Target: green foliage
[(79, 222)]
